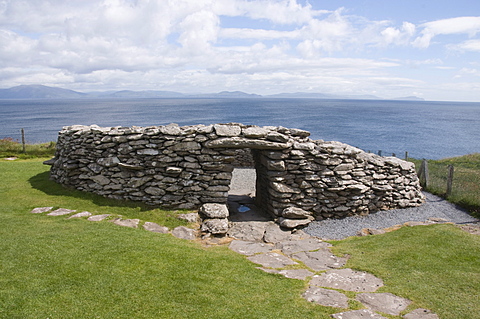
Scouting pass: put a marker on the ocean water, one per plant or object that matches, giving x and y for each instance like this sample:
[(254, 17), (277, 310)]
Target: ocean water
[(430, 130)]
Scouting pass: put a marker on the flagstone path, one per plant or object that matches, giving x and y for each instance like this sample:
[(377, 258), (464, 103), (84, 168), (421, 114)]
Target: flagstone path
[(295, 255)]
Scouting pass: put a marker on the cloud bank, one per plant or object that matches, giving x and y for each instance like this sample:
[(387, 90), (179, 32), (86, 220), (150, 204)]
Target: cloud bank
[(264, 46)]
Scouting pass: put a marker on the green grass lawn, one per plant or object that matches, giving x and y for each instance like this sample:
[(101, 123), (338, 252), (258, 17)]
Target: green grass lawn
[(51, 267)]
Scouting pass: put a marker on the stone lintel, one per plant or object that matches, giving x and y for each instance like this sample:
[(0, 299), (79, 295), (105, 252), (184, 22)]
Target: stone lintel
[(239, 142)]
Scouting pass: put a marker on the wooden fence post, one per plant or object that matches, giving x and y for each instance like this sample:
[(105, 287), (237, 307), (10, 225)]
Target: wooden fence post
[(23, 141), (423, 174), (449, 180)]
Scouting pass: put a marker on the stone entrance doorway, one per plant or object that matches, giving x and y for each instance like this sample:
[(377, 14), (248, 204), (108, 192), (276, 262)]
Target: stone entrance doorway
[(241, 197)]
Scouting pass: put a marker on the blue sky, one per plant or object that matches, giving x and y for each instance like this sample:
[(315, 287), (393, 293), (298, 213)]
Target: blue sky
[(429, 49)]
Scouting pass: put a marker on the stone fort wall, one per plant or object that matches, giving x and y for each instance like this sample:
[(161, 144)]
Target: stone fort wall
[(186, 167)]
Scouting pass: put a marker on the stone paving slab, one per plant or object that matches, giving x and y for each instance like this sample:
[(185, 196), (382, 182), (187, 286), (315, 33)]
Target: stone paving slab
[(98, 218), (347, 279), (61, 212), (326, 297), (39, 210), (248, 231), (156, 228), (421, 314), (272, 260), (132, 223), (299, 234), (183, 232), (290, 247), (384, 302), (300, 274), (249, 248), (79, 215), (322, 259), (358, 314), (274, 234)]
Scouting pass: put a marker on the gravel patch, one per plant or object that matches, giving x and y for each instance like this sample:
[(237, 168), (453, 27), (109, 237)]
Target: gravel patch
[(434, 207)]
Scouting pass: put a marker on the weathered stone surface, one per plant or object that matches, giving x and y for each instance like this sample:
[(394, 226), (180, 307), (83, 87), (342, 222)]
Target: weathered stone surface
[(147, 151), (321, 259), (277, 137), (215, 226), (173, 170), (183, 232), (171, 129), (81, 214), (421, 314), (274, 234), (227, 130), (239, 142), (248, 231), (132, 167), (132, 223), (61, 212), (213, 210), (358, 314), (255, 132), (293, 223), (347, 279), (155, 191), (40, 210), (100, 179), (249, 248), (384, 302), (326, 297), (156, 228), (295, 213), (370, 231), (98, 218), (272, 260), (186, 146), (291, 247), (190, 217), (300, 274)]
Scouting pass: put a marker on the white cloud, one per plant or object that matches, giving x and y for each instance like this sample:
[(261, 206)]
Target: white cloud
[(276, 11), (399, 36), (460, 25), (470, 45)]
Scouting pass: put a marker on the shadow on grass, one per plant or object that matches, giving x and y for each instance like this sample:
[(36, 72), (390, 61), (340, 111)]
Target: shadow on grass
[(43, 183)]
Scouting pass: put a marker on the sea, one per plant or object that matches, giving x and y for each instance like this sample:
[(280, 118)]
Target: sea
[(424, 129)]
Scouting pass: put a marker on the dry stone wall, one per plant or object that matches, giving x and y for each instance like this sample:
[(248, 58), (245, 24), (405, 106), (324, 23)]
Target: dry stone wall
[(186, 167)]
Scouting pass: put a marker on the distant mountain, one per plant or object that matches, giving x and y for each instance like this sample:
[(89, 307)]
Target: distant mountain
[(305, 95), (47, 92), (300, 95), (39, 92), (145, 94), (410, 98), (227, 95)]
